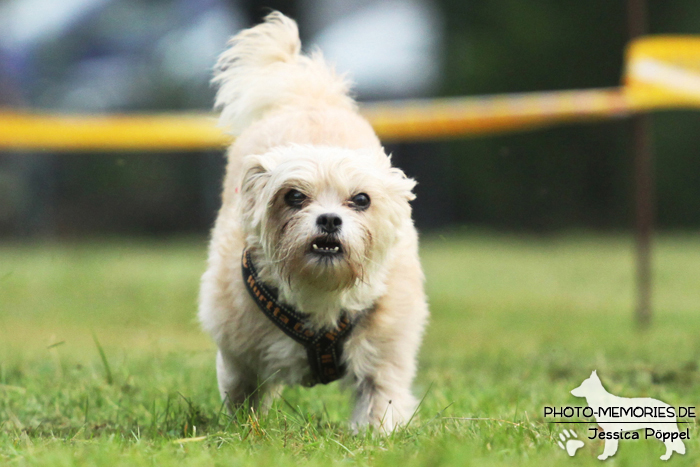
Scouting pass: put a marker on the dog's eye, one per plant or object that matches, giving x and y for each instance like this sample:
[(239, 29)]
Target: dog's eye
[(294, 198), (360, 201)]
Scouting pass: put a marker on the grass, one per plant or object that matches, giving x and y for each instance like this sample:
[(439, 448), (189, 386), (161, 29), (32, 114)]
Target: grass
[(103, 363)]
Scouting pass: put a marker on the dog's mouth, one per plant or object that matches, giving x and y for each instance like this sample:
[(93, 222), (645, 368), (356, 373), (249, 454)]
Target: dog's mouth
[(326, 247)]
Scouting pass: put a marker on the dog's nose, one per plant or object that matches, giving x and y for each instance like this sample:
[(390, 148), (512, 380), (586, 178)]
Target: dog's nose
[(329, 223)]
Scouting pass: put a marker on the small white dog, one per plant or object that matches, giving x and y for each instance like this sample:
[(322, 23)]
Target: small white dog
[(313, 270)]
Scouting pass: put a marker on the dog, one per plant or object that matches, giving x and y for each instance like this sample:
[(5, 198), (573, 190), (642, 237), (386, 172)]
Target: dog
[(313, 272), (610, 421)]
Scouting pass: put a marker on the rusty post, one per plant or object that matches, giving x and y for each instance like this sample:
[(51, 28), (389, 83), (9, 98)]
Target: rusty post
[(643, 182)]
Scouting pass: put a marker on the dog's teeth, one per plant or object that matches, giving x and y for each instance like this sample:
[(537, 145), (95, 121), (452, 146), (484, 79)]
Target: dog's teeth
[(325, 248)]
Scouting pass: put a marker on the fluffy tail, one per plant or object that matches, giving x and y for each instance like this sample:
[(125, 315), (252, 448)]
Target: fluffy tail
[(263, 70)]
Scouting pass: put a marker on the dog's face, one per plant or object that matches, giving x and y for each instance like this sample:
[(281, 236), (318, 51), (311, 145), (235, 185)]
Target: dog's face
[(591, 385), (324, 216)]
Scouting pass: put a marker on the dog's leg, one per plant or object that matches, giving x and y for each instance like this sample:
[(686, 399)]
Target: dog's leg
[(235, 385), (383, 361), (673, 446), (609, 450), (272, 392), (669, 451), (382, 402)]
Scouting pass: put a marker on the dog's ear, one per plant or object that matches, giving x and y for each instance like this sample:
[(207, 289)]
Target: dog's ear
[(398, 188), (256, 175), (400, 185)]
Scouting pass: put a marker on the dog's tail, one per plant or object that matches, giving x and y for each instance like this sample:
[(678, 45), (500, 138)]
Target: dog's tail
[(263, 70)]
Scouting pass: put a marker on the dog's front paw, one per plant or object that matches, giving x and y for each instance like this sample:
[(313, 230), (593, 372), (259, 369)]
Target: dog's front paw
[(388, 421), (382, 427), (383, 418)]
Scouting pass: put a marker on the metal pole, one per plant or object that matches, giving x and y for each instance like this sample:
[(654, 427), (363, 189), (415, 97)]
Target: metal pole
[(643, 181), (643, 175)]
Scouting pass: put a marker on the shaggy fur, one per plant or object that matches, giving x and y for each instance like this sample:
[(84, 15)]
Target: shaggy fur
[(297, 128)]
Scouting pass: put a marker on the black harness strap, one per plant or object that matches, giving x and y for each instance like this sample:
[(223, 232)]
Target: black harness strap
[(324, 347)]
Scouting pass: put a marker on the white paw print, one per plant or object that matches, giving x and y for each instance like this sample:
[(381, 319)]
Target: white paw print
[(572, 445)]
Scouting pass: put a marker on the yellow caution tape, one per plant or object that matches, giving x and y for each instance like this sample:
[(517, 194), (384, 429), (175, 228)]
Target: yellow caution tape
[(662, 72), (56, 132), (464, 116)]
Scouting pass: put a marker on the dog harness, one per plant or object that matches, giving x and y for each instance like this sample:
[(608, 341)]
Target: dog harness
[(324, 347)]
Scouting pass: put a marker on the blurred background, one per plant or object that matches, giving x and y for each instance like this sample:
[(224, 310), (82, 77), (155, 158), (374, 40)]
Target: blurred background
[(528, 248), (105, 56)]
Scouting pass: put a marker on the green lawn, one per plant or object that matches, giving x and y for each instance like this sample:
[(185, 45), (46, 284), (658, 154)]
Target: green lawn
[(516, 324)]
